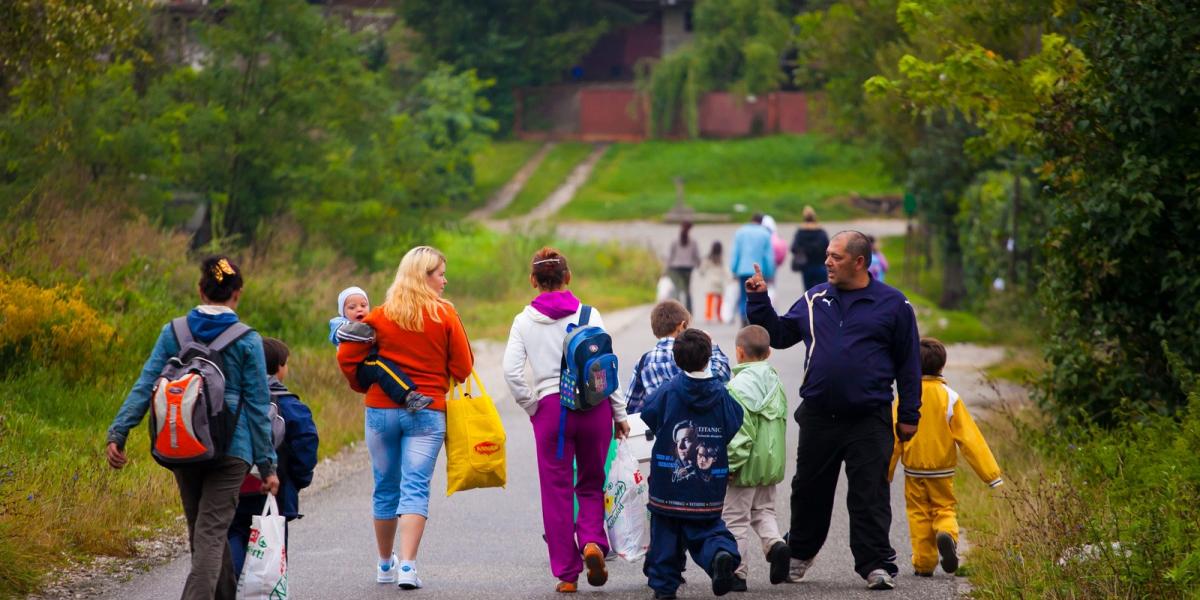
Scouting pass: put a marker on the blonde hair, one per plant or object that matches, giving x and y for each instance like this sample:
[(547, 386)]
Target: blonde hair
[(409, 296)]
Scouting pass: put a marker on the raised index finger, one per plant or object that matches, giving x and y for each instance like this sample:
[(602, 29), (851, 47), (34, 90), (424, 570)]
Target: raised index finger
[(757, 270)]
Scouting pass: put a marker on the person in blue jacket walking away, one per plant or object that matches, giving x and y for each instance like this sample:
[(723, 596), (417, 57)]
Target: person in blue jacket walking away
[(209, 490), (861, 335), (751, 246), (693, 418), (297, 453)]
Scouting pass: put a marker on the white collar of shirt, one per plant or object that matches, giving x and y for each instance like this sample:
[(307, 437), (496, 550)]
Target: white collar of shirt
[(705, 374), (213, 309)]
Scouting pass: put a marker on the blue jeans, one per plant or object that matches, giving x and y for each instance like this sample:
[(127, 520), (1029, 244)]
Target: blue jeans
[(404, 448)]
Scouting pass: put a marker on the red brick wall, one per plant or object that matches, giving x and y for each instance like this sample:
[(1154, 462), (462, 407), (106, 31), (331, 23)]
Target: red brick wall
[(603, 114)]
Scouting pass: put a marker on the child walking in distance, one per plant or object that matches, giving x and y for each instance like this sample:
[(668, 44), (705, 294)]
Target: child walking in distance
[(929, 459), (757, 455), (693, 419), (348, 326), (712, 279), (297, 453), (668, 319)]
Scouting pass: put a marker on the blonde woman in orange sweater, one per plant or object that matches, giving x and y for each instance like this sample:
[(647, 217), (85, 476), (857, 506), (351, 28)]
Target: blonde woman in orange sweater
[(421, 333)]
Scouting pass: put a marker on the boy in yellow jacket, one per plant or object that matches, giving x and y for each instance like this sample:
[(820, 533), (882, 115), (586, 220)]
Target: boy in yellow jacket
[(929, 459)]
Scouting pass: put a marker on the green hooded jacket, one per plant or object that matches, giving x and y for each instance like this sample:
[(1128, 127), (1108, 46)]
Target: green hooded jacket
[(758, 453)]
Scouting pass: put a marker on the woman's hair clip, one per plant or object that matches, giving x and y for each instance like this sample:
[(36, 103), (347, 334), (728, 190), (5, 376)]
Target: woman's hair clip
[(221, 269), (546, 260)]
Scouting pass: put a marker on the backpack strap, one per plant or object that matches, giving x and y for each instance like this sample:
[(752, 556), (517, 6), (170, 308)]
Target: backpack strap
[(585, 314), (230, 335), (183, 333)]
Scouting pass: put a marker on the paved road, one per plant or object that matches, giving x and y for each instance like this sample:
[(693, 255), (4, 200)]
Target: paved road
[(487, 543)]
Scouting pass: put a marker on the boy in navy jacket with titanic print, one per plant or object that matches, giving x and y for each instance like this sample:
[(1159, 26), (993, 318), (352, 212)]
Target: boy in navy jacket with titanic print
[(693, 418)]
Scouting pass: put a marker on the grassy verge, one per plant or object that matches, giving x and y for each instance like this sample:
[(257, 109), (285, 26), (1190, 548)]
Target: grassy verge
[(1085, 512), (497, 163), (778, 175), (61, 381), (550, 174)]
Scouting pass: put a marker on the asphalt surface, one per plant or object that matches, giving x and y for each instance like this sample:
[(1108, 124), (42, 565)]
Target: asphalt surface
[(488, 544)]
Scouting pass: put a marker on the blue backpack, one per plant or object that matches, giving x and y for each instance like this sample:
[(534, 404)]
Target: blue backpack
[(589, 370), (589, 367)]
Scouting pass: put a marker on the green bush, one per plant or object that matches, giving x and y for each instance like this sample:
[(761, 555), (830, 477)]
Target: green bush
[(1122, 271), (1099, 513)]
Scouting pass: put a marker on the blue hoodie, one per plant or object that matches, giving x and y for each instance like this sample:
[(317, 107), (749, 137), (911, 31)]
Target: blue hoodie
[(245, 380), (693, 421)]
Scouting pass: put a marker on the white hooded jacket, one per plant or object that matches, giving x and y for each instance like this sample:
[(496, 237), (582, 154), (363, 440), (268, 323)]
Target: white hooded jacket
[(538, 339)]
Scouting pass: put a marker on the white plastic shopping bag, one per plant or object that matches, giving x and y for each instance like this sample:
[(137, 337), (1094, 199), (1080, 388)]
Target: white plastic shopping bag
[(264, 575), (665, 290), (729, 303), (625, 515)]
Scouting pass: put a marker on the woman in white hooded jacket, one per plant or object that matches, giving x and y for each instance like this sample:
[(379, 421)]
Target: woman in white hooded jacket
[(537, 337)]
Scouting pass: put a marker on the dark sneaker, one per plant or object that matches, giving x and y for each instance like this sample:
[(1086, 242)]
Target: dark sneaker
[(880, 580), (780, 557), (593, 558), (722, 573), (664, 595), (739, 584), (415, 401), (923, 573), (949, 551)]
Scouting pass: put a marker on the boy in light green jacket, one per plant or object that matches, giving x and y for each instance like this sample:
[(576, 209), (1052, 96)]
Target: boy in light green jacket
[(757, 455)]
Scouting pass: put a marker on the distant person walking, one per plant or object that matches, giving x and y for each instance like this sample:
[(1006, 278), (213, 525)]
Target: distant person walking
[(682, 259), (536, 338), (779, 248), (713, 277), (209, 490), (420, 332), (751, 246), (808, 250), (861, 337), (879, 263)]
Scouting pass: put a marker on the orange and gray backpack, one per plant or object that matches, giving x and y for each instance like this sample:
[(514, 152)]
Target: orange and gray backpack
[(189, 422)]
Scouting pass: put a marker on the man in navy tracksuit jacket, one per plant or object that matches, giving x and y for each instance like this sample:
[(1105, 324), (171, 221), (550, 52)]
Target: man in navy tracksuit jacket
[(693, 419), (861, 335)]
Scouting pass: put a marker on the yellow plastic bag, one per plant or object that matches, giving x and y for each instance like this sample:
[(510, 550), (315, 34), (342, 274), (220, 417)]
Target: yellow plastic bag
[(474, 439)]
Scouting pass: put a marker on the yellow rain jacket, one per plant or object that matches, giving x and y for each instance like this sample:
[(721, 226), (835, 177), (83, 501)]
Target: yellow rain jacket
[(945, 428)]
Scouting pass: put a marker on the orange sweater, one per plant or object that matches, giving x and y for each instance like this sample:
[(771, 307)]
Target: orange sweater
[(430, 357)]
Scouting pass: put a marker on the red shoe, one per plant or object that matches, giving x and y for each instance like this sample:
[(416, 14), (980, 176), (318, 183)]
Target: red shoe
[(566, 587), (593, 558)]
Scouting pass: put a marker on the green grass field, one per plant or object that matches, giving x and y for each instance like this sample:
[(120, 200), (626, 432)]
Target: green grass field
[(497, 163), (550, 174), (778, 175)]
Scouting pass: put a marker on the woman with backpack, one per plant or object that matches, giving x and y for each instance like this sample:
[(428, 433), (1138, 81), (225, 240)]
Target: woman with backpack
[(563, 436), (208, 488), (420, 332)]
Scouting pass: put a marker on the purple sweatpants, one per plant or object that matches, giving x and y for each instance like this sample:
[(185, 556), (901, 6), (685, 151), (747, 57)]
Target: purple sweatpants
[(585, 444)]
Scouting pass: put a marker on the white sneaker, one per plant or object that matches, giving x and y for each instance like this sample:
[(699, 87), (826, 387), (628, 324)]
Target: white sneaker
[(797, 569), (386, 574), (407, 578), (880, 580)]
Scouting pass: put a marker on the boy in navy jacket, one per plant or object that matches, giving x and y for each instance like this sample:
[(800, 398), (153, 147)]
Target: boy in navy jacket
[(693, 418), (297, 457)]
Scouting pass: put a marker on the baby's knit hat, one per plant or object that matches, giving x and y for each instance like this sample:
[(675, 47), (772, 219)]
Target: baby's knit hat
[(346, 293)]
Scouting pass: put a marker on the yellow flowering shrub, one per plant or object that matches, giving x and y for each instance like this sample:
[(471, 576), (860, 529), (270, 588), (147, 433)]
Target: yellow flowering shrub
[(51, 327)]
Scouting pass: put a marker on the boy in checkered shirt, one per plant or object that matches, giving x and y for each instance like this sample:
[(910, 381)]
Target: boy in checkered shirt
[(656, 367)]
